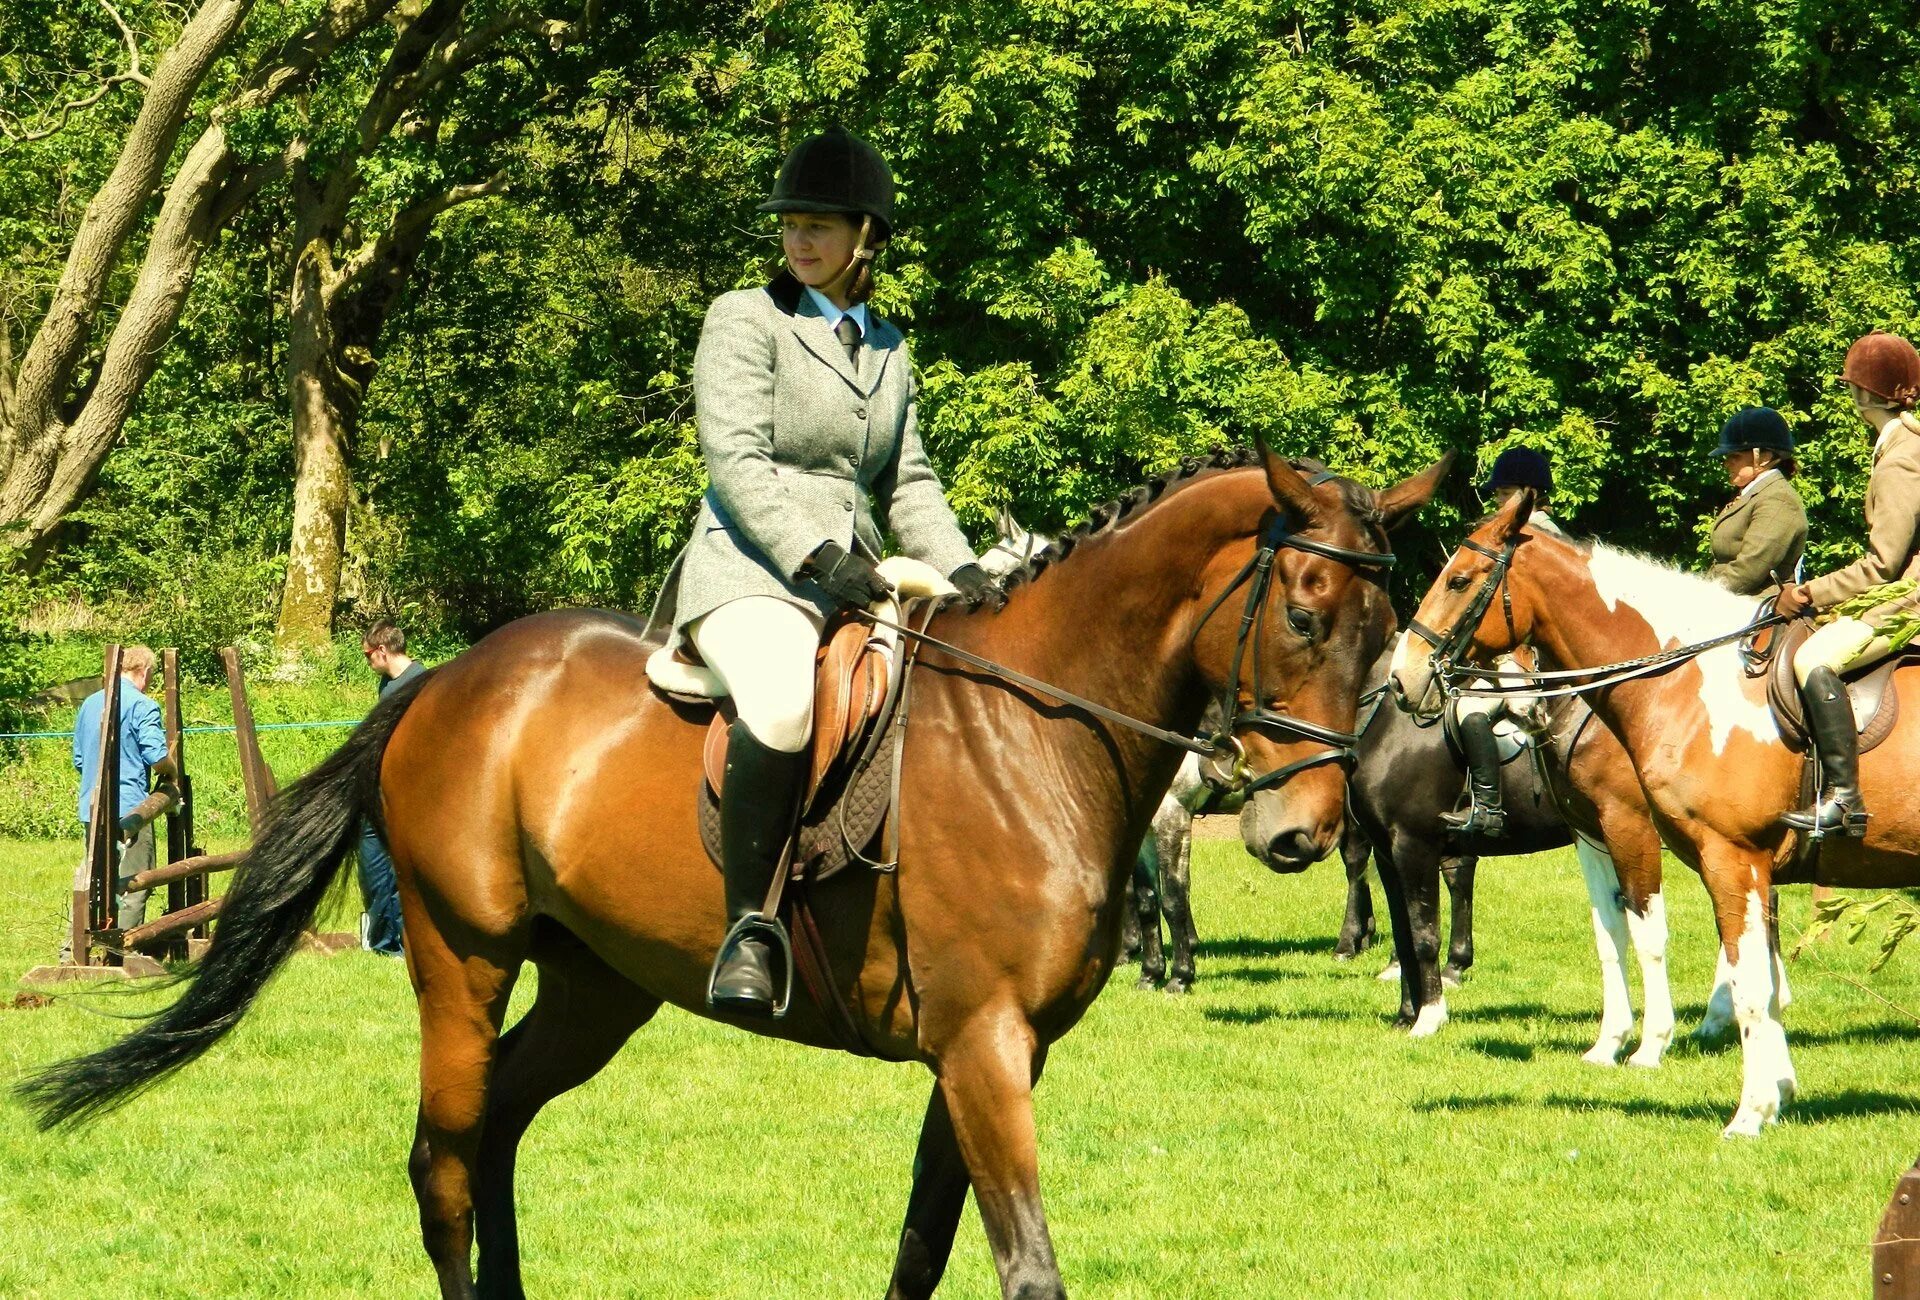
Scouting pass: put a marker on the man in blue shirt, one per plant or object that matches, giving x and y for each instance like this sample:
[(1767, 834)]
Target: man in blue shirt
[(143, 745), (385, 649)]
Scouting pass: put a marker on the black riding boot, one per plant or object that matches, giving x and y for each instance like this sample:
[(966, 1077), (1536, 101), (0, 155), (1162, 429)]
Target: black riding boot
[(757, 801), (1839, 806), (1485, 815)]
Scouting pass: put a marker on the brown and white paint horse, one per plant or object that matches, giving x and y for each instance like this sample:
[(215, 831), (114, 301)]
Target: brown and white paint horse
[(1700, 735)]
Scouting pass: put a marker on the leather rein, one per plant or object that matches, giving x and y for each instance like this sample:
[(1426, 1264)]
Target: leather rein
[(1457, 677), (1257, 577)]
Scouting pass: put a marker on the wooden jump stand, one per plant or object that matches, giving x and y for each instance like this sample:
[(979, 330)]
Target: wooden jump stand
[(98, 949)]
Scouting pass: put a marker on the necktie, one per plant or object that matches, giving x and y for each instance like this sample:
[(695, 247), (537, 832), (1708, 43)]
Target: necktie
[(848, 332)]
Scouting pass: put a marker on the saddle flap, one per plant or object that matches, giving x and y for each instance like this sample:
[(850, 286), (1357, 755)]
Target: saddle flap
[(1876, 705)]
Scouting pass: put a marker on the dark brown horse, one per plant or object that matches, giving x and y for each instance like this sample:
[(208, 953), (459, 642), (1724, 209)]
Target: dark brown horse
[(539, 798)]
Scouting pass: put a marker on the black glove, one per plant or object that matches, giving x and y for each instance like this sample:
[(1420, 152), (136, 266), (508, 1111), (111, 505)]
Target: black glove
[(978, 587), (846, 577)]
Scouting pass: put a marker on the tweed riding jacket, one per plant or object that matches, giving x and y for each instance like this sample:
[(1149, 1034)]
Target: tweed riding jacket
[(802, 447), (1758, 535)]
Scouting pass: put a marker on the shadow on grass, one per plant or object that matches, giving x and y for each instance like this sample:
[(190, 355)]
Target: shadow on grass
[(1254, 974), (1525, 1011), (1848, 1104), (1505, 1049), (1269, 1015), (1242, 945)]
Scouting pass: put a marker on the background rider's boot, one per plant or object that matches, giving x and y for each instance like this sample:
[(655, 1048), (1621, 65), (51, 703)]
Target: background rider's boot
[(757, 801), (1487, 815), (1830, 719)]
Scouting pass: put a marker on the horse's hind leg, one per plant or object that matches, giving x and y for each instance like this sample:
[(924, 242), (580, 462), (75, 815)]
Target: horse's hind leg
[(463, 998), (583, 1012), (1146, 910), (933, 1208), (1176, 871)]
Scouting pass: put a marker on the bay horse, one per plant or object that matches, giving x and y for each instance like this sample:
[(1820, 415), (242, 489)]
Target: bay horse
[(539, 799), (1579, 789), (1699, 733)]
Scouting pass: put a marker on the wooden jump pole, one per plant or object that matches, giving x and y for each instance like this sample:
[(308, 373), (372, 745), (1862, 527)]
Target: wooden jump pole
[(194, 868), (94, 911), (188, 889)]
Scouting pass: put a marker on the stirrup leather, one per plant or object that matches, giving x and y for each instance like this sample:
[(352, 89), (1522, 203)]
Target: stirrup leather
[(774, 931)]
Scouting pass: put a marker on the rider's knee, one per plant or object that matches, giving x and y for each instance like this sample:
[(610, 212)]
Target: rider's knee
[(780, 720)]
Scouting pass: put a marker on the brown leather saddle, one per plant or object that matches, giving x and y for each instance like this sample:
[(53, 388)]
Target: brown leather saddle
[(857, 718), (1876, 701)]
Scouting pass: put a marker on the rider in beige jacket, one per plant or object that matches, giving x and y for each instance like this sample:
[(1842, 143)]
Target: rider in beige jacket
[(1883, 374)]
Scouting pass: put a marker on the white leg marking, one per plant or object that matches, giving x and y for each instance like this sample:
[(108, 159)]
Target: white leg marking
[(1391, 975), (1610, 938), (1719, 1018), (1767, 1080), (1431, 1017), (1784, 995), (1649, 935)]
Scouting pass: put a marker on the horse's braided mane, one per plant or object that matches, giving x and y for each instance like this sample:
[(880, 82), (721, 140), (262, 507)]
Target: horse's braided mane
[(1105, 518)]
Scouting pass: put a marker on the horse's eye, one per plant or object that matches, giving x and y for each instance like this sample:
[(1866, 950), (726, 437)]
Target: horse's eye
[(1301, 621), (1458, 582)]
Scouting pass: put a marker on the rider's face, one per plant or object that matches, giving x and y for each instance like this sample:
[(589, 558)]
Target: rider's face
[(1743, 467), (818, 245)]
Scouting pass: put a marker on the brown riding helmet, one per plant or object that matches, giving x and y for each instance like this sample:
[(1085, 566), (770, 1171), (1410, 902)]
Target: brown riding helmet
[(1886, 366)]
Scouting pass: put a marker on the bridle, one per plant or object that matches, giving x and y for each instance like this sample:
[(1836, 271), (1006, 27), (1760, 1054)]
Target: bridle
[(1449, 647), (1257, 577)]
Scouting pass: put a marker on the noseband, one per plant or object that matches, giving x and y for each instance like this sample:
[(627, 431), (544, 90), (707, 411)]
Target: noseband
[(1449, 648), (1257, 577)]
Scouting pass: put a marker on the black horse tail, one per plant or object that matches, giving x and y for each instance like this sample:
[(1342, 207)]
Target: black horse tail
[(272, 901)]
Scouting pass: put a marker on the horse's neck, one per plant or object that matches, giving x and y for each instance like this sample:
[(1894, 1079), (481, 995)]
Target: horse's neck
[(1110, 623), (1614, 608)]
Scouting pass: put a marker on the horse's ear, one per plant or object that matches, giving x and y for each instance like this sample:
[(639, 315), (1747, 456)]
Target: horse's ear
[(1409, 495), (1290, 490), (1513, 516)]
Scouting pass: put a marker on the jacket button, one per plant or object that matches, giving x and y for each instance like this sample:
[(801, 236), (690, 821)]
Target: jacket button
[(848, 506), (859, 412)]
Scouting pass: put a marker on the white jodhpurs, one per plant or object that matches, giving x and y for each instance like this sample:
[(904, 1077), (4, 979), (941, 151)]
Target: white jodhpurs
[(1842, 644), (763, 649)]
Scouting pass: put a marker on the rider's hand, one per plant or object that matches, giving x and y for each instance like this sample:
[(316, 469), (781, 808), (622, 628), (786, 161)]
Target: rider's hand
[(846, 577), (1793, 600), (978, 587)]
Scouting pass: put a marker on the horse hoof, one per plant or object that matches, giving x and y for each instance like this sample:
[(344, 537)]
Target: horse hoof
[(1644, 1060), (1603, 1053), (1176, 987), (1147, 984), (1451, 978), (1747, 1122), (1390, 974), (1431, 1017), (1712, 1032)]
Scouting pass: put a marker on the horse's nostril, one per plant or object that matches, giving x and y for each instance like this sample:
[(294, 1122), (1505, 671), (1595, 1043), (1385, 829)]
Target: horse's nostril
[(1292, 850)]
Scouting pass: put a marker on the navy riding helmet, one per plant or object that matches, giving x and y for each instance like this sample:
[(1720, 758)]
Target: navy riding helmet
[(1521, 467), (1755, 428), (836, 171)]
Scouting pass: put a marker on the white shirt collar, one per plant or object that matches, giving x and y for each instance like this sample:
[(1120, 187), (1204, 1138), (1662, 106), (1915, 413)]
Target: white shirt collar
[(1771, 471), (1541, 519), (1886, 435), (832, 312)]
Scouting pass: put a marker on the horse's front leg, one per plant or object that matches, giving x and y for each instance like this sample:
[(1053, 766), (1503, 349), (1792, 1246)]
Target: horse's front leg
[(1176, 898), (987, 1075), (1420, 876), (933, 1208), (1357, 930), (1739, 880), (1459, 872)]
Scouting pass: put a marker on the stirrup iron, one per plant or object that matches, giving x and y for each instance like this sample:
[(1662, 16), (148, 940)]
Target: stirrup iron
[(774, 931)]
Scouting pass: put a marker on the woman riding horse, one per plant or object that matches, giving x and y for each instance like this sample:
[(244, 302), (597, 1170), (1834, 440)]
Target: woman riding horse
[(1518, 469), (1759, 536), (1882, 372), (807, 414)]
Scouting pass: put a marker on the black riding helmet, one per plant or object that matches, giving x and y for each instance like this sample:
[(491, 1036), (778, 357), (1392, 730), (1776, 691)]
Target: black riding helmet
[(1521, 467), (1754, 428), (836, 171)]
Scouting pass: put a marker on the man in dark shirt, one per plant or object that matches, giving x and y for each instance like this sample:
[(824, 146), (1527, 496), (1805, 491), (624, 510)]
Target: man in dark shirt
[(385, 649)]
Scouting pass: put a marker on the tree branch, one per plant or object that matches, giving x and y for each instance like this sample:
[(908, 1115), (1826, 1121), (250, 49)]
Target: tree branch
[(411, 221), (132, 75)]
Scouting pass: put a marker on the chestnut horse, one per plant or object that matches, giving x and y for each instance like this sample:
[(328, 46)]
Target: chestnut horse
[(539, 798), (1699, 733)]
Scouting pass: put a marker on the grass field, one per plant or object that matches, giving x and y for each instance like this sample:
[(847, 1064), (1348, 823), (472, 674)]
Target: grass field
[(1268, 1135)]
